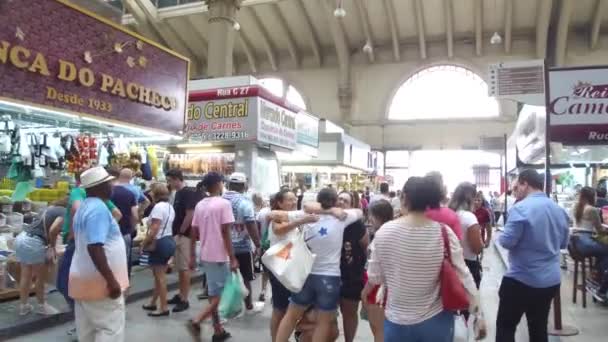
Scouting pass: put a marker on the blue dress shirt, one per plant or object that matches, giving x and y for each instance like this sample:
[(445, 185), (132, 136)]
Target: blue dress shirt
[(536, 231)]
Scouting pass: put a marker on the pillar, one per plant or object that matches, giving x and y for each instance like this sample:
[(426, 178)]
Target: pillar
[(222, 17)]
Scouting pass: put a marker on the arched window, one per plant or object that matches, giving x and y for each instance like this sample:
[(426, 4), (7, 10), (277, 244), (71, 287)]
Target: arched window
[(443, 92), (284, 90)]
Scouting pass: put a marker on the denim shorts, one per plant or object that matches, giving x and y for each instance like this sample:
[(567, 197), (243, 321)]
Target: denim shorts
[(323, 292), (30, 249), (216, 274)]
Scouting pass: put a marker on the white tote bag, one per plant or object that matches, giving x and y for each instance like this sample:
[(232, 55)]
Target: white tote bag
[(290, 261)]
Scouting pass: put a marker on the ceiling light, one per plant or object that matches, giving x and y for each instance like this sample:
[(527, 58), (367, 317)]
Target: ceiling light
[(340, 12), (236, 26), (194, 145), (496, 39), (368, 48)]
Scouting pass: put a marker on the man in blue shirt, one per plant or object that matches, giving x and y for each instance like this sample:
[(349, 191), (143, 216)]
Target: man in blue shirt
[(536, 231), (244, 230)]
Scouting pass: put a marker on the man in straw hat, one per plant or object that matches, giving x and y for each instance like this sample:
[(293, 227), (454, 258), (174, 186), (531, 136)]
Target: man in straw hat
[(98, 275)]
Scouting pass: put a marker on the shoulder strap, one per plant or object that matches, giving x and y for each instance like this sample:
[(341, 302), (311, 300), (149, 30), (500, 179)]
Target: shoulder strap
[(167, 221)]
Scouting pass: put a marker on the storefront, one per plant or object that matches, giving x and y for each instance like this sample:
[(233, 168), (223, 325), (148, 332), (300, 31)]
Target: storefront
[(342, 161), (239, 122), (78, 91)]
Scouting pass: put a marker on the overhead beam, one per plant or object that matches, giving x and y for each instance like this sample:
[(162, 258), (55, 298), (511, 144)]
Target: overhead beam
[(367, 30), (563, 27), (419, 12), (173, 40), (448, 8), (191, 8), (140, 21), (596, 23), (343, 56), (310, 32), (249, 51), (389, 10), (291, 42), (543, 19), (508, 25), (200, 35), (270, 51), (478, 8)]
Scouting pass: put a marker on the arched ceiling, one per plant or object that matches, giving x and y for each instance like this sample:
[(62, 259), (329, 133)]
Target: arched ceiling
[(281, 35), (323, 56)]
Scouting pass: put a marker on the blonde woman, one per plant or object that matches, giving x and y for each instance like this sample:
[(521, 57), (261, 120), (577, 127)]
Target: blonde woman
[(160, 245)]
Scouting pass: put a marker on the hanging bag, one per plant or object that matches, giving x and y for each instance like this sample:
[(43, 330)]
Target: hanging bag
[(290, 261), (453, 294)]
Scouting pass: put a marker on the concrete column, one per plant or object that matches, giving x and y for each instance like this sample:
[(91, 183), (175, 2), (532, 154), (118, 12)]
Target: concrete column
[(222, 17)]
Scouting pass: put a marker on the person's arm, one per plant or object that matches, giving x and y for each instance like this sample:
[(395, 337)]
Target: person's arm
[(54, 231), (474, 239), (315, 209), (596, 220), (284, 227), (114, 210), (514, 229), (153, 229), (187, 221), (364, 241), (234, 264)]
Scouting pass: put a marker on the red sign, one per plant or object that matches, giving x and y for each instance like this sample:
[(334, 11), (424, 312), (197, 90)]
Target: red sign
[(53, 54)]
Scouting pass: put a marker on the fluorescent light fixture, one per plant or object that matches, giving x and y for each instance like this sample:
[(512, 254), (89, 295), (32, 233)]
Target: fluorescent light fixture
[(203, 151), (28, 108), (194, 145)]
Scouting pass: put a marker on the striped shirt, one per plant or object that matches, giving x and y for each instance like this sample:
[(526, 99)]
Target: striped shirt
[(408, 261)]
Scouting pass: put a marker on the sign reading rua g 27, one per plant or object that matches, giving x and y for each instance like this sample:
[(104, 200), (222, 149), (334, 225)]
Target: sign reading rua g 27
[(55, 55)]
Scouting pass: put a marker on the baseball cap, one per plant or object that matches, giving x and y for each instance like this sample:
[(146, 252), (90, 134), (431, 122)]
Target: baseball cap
[(238, 178)]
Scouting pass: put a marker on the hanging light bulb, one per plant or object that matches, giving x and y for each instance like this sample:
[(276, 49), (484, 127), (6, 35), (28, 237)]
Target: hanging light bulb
[(368, 48), (340, 12), (236, 26), (496, 39)]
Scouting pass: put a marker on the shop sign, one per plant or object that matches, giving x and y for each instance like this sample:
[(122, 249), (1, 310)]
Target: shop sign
[(308, 129), (74, 61), (276, 125), (578, 105), (223, 120)]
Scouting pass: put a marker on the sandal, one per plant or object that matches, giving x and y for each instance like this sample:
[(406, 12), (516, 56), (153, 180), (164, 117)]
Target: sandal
[(149, 307), (194, 327), (159, 314), (223, 336)]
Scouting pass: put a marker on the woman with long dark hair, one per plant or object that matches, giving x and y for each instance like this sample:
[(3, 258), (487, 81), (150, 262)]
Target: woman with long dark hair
[(591, 238), (462, 203), (484, 218), (407, 257), (380, 212), (282, 228)]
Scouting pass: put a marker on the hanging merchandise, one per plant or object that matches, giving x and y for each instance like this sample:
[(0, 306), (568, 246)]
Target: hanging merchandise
[(153, 161), (146, 169)]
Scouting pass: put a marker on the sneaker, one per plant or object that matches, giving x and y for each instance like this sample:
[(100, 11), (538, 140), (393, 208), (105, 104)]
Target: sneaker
[(46, 310), (600, 297), (256, 309), (262, 297), (25, 309), (175, 300), (223, 336), (182, 306)]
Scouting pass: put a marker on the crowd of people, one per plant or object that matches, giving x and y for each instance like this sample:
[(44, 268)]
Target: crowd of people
[(384, 256)]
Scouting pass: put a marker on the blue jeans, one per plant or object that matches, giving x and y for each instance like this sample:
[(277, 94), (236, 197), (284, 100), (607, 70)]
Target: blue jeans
[(439, 328), (63, 273), (321, 291)]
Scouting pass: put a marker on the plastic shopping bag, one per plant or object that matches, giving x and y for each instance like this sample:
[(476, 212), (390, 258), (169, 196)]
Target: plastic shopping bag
[(461, 331), (231, 301), (290, 261)]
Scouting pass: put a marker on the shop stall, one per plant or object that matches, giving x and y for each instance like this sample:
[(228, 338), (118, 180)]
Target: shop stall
[(76, 91), (235, 124), (342, 161)]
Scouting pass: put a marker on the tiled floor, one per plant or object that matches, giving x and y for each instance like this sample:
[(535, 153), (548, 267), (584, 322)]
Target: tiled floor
[(591, 321)]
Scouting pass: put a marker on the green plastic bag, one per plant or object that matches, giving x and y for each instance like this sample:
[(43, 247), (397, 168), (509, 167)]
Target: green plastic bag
[(21, 191), (266, 239), (231, 301)]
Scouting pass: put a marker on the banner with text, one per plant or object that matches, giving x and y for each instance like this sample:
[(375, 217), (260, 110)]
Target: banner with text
[(276, 125), (578, 105), (222, 120), (77, 62)]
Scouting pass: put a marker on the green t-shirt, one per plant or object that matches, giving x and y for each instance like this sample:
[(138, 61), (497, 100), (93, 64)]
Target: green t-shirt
[(77, 194)]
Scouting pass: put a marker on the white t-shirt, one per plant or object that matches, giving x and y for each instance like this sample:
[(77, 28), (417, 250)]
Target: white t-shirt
[(274, 238), (164, 212), (262, 218), (396, 204), (324, 238), (467, 220), (379, 197)]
